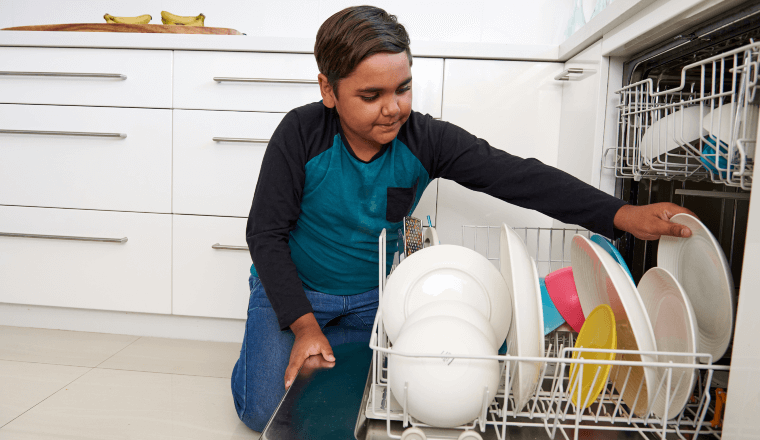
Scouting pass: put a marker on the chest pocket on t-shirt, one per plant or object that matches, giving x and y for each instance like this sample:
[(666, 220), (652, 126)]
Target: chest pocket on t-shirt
[(400, 202)]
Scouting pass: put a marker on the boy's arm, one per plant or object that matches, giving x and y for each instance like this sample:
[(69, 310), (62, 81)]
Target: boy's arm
[(274, 213)]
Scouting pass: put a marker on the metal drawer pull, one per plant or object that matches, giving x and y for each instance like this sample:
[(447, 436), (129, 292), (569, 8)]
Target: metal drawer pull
[(266, 80), (574, 74), (229, 248), (64, 237), (66, 133), (253, 141), (67, 74)]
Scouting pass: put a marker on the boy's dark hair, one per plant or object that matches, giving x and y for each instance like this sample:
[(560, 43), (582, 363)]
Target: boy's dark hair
[(353, 34)]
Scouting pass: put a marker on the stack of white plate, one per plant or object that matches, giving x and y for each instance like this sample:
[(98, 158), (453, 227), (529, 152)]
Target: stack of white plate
[(682, 307), (445, 300)]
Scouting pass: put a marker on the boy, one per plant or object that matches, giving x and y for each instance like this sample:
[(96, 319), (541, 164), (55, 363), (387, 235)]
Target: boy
[(337, 172)]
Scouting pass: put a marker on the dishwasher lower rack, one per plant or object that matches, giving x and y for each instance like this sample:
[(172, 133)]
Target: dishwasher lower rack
[(704, 128), (551, 408)]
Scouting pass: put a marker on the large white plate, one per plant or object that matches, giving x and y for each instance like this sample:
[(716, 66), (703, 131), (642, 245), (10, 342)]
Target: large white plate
[(675, 331), (670, 132), (699, 265), (446, 273), (599, 279), (526, 334)]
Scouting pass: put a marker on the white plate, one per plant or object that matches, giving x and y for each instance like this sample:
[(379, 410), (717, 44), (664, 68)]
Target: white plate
[(699, 265), (443, 273), (675, 330), (670, 132), (526, 334), (600, 280), (457, 309), (719, 122)]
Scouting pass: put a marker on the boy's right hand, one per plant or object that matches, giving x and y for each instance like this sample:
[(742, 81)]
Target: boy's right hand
[(309, 341)]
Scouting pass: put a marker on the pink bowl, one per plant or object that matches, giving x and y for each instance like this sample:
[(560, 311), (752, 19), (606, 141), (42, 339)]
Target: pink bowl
[(560, 285)]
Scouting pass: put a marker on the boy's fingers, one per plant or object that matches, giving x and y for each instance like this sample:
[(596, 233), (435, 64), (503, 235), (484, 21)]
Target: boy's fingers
[(328, 354), (292, 371)]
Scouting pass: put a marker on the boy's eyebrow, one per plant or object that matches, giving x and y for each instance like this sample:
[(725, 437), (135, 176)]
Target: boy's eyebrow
[(380, 89)]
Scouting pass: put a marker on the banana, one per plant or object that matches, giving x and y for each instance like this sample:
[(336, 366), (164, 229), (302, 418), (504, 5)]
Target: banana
[(143, 19), (171, 19)]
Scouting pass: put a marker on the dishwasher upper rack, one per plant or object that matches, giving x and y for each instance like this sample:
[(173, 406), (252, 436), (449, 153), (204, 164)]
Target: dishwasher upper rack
[(551, 406), (717, 98)]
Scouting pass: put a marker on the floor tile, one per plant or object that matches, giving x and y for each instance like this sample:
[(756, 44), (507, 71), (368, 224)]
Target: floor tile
[(177, 356), (23, 385), (59, 347), (114, 404)]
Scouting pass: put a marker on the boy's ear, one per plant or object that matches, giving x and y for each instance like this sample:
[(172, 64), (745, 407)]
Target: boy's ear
[(328, 94)]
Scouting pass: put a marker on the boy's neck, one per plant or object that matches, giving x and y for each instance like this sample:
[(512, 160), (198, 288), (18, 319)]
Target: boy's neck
[(362, 149)]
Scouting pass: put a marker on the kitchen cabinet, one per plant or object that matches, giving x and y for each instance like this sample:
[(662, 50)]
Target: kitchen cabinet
[(513, 105), (86, 259), (210, 266), (104, 158)]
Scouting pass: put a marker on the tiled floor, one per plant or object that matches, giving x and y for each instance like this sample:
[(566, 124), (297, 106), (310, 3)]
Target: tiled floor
[(73, 385)]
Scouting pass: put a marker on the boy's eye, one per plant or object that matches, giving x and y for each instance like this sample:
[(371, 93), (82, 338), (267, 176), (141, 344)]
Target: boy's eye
[(370, 98), (403, 90)]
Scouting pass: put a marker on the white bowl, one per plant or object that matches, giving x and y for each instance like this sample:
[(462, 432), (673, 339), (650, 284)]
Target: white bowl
[(441, 273), (443, 392), (456, 309)]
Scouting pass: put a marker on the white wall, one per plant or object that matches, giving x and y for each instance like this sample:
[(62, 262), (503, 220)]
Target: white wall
[(539, 22)]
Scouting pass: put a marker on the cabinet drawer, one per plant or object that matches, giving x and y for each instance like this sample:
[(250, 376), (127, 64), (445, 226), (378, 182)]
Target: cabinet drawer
[(133, 276), (106, 77), (211, 267), (219, 177), (195, 86), (93, 171)]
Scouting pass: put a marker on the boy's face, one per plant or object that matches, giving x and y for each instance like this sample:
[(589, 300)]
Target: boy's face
[(375, 100)]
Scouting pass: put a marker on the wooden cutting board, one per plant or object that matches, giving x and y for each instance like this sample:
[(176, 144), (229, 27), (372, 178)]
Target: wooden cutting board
[(133, 28)]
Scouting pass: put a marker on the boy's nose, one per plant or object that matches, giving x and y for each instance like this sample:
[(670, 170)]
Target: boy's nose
[(391, 107)]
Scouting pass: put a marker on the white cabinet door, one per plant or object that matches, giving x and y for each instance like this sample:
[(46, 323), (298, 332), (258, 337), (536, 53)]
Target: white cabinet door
[(211, 267), (97, 260), (102, 77), (513, 105), (427, 85), (132, 173), (218, 177)]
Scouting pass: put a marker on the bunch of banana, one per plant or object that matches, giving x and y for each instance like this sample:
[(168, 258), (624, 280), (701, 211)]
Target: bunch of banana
[(168, 18), (143, 19)]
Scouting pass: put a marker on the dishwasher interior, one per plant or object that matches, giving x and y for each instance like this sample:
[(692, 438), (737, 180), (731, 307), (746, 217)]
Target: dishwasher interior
[(686, 133)]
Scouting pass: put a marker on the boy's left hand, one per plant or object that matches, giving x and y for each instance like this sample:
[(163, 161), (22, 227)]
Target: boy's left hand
[(649, 222)]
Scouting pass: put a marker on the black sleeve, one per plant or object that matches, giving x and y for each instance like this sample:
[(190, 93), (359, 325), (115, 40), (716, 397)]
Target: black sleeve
[(274, 212), (527, 183)]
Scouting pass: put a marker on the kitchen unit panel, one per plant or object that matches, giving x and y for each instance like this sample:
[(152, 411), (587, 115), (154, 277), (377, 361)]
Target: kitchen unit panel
[(218, 177), (427, 85), (90, 259), (97, 77), (244, 81), (75, 157), (513, 105), (211, 267)]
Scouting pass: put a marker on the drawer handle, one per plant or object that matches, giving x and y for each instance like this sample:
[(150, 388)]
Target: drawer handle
[(253, 141), (65, 237), (67, 74), (229, 248), (266, 80), (66, 133)]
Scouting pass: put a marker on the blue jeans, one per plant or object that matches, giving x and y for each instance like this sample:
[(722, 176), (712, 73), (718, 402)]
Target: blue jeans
[(257, 378)]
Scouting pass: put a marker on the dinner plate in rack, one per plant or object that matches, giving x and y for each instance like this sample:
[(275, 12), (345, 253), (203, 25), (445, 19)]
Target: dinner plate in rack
[(675, 331), (601, 280), (446, 273), (526, 333), (699, 265)]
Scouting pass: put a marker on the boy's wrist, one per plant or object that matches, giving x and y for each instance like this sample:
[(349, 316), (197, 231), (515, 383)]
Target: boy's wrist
[(304, 324)]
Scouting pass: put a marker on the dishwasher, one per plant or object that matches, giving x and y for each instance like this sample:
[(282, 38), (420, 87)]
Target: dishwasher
[(705, 82)]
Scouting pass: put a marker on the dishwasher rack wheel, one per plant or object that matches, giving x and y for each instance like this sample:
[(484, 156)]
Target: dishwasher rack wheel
[(413, 433), (469, 435)]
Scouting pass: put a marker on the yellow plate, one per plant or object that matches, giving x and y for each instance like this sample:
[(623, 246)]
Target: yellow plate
[(597, 332)]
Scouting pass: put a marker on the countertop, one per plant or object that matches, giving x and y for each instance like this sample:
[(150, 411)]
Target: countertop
[(244, 43)]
